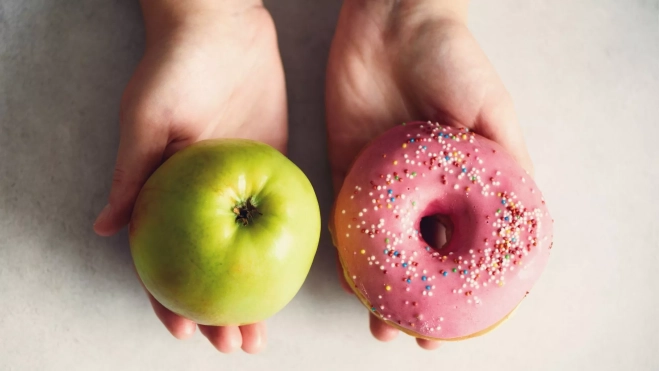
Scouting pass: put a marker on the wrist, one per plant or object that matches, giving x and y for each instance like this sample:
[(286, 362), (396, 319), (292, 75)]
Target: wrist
[(162, 17), (451, 10)]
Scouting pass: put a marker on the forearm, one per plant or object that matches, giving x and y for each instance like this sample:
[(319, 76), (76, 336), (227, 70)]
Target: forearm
[(163, 15)]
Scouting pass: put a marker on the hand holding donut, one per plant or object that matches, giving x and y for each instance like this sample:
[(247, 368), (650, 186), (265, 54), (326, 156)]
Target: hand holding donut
[(393, 62)]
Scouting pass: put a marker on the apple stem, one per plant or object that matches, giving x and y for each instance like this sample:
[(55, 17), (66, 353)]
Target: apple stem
[(246, 212)]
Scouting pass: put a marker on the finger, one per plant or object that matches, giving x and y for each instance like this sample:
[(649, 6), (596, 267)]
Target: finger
[(180, 327), (254, 337), (226, 339), (510, 138), (342, 278), (381, 330), (140, 152), (428, 344), (499, 123)]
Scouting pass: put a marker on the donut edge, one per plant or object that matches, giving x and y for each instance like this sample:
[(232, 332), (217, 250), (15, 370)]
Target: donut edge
[(407, 331)]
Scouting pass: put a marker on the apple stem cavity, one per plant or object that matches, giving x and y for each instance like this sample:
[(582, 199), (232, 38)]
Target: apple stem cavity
[(246, 212)]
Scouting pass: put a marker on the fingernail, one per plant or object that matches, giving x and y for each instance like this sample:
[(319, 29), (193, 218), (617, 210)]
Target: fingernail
[(103, 214)]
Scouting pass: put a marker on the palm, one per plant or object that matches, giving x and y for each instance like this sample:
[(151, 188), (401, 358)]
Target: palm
[(384, 70), (220, 81), (380, 75)]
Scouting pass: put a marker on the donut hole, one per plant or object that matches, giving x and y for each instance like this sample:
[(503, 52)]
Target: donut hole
[(436, 230)]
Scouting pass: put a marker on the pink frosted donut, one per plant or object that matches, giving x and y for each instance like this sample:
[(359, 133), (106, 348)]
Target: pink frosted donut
[(502, 231)]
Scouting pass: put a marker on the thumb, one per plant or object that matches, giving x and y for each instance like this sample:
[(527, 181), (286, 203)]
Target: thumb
[(498, 122), (140, 153)]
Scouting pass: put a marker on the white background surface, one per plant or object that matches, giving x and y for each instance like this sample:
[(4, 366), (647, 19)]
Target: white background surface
[(585, 78)]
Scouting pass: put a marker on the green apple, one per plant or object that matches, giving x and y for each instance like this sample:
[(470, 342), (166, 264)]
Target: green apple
[(225, 231)]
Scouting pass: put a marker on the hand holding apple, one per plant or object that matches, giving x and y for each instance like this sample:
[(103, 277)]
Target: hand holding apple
[(210, 70)]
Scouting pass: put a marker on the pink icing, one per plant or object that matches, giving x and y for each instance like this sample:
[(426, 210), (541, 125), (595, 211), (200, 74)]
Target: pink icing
[(501, 239)]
